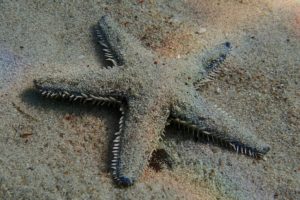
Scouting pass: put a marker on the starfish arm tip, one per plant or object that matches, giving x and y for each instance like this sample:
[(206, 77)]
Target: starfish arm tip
[(125, 181)]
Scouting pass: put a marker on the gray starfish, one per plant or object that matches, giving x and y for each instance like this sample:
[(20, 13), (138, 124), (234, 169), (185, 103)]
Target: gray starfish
[(151, 95)]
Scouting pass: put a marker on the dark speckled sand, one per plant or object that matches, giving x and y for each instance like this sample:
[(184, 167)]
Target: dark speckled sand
[(60, 151)]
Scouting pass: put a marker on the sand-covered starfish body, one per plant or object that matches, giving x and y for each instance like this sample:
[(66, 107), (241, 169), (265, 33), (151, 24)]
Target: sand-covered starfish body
[(151, 94)]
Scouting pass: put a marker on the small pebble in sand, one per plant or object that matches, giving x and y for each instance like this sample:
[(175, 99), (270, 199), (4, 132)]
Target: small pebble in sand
[(81, 57), (202, 30)]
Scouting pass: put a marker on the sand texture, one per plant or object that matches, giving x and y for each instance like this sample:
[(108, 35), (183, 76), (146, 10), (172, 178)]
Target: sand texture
[(58, 150)]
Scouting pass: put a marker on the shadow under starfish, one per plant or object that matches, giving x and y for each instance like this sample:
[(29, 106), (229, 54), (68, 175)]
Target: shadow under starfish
[(150, 96)]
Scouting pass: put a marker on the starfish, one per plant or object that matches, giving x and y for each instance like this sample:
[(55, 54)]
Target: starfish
[(151, 95)]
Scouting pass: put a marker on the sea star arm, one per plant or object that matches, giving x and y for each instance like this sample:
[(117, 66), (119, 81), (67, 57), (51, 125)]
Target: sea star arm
[(118, 47), (108, 38), (207, 121), (103, 87), (211, 62), (141, 125)]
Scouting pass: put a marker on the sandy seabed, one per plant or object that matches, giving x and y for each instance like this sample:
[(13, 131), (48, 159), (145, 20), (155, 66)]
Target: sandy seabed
[(52, 150)]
